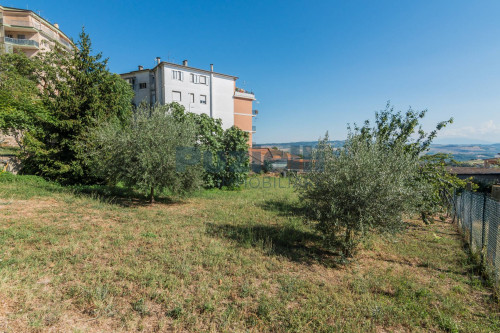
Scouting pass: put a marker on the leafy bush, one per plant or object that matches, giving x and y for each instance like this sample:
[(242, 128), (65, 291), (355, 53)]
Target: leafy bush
[(373, 180), (143, 154), (224, 153), (440, 185), (362, 187)]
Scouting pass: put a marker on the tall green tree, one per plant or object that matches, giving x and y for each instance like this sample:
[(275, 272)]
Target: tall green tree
[(79, 93), (433, 182), (363, 187)]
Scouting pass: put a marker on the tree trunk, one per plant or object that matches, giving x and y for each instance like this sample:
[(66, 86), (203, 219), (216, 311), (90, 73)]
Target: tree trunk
[(152, 195), (348, 243)]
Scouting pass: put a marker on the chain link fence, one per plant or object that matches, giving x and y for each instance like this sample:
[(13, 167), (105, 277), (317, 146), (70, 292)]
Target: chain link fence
[(478, 218)]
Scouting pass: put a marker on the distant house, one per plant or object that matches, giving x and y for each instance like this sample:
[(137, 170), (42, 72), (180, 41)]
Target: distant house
[(277, 159), (492, 161), (299, 165), (486, 176)]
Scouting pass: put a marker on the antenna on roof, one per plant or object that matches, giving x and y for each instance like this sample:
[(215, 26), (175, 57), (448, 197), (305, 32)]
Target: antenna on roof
[(170, 58)]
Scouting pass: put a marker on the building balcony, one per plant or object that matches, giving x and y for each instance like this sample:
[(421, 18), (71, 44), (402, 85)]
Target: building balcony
[(23, 43), (254, 128), (18, 23), (66, 44), (241, 93)]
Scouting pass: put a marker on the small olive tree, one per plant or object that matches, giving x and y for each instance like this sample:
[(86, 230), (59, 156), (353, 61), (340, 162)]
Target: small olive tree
[(375, 178), (143, 154), (359, 188)]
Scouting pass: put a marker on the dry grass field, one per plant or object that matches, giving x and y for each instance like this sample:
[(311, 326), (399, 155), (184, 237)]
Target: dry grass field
[(95, 260)]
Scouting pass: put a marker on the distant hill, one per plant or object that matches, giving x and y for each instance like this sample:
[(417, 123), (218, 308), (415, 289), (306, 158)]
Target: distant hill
[(461, 152), (467, 151)]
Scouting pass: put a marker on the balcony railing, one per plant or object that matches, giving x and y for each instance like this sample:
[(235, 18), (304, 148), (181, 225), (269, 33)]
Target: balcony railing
[(244, 91), (27, 42), (47, 31), (254, 128), (255, 112), (65, 43), (20, 23), (245, 95)]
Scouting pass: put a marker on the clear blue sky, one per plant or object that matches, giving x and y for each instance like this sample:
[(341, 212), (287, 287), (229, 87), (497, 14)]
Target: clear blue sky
[(315, 65)]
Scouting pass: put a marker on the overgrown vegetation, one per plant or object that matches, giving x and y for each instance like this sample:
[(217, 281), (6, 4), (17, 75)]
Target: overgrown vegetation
[(54, 103), (21, 107)]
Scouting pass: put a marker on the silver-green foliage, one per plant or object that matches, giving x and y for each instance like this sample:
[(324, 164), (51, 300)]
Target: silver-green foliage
[(143, 154), (364, 186)]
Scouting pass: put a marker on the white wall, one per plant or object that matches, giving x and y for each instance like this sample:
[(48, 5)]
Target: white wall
[(186, 87), (140, 94), (223, 100), (165, 84), (223, 91)]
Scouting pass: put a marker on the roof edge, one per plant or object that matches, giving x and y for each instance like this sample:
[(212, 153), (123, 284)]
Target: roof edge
[(181, 67)]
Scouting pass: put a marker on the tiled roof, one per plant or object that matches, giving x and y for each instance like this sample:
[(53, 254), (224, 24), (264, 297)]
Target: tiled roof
[(474, 171)]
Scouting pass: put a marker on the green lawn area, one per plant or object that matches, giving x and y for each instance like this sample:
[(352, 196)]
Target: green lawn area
[(88, 260)]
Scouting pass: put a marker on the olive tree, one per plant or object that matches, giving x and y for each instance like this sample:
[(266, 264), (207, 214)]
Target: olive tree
[(433, 185), (374, 179), (143, 153), (364, 186)]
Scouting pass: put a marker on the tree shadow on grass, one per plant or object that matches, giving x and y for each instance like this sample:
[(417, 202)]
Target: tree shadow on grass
[(286, 208), (121, 196), (295, 244)]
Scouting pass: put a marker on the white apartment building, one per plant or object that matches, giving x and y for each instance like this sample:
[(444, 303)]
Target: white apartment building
[(198, 90)]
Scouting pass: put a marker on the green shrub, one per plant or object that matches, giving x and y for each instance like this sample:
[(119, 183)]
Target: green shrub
[(361, 188), (224, 153), (375, 178), (142, 155)]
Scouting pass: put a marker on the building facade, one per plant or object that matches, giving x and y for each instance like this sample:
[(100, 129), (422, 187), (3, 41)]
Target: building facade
[(198, 90), (25, 31)]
